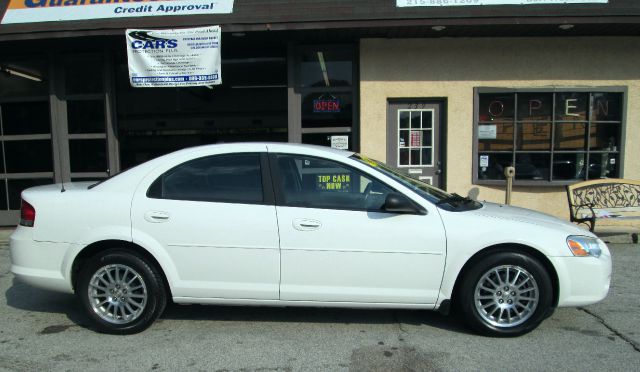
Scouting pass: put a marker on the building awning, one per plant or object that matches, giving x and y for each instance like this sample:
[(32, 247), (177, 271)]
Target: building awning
[(376, 18)]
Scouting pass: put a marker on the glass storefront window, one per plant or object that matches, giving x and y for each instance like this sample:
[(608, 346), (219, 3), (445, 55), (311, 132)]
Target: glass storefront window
[(495, 136), (533, 136), (27, 156), (86, 116), (32, 83), (535, 106), (559, 136), (571, 106), (570, 136), (325, 82), (496, 107), (82, 76), (492, 165), (606, 107), (88, 155), (326, 67), (25, 118)]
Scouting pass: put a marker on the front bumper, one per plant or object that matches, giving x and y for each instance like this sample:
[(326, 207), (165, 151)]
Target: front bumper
[(38, 263), (583, 280)]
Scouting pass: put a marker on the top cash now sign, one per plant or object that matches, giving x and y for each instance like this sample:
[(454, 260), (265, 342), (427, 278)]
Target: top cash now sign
[(29, 11)]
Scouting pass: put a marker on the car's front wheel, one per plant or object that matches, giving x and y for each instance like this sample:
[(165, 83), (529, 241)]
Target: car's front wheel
[(506, 294), (121, 292)]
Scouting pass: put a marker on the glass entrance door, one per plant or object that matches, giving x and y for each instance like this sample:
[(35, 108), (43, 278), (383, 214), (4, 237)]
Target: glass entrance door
[(413, 139)]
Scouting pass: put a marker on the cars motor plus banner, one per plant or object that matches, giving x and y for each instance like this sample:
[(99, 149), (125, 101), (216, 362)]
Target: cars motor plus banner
[(30, 11), (174, 58)]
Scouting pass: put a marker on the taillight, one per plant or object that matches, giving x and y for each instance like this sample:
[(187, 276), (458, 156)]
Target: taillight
[(27, 214)]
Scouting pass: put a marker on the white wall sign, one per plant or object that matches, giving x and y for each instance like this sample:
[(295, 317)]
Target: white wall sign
[(484, 161), (487, 132), (411, 3), (29, 11), (340, 142), (174, 58)]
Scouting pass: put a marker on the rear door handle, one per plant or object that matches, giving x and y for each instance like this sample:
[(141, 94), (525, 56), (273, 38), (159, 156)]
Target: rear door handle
[(156, 216), (304, 224)]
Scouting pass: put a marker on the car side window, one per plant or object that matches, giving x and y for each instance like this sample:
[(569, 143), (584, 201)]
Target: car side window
[(319, 183), (219, 178)]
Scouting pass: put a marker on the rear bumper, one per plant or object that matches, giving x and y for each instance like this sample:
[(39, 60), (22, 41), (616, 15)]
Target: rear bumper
[(38, 263), (583, 280)]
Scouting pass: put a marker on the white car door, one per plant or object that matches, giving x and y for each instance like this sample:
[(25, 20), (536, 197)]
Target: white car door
[(337, 245), (217, 224)]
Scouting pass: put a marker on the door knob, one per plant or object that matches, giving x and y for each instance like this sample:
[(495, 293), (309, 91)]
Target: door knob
[(303, 224), (156, 216)]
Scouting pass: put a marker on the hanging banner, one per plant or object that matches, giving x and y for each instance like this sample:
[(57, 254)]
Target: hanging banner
[(410, 3), (174, 58), (29, 11)]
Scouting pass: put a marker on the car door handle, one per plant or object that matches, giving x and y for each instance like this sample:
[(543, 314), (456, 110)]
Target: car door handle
[(303, 224), (156, 216)]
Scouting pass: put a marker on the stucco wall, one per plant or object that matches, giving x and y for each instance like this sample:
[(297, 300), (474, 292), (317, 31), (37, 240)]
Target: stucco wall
[(451, 68)]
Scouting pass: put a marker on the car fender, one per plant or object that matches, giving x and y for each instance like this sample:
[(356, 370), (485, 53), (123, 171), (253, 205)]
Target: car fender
[(90, 237), (463, 245), (156, 249), (455, 263)]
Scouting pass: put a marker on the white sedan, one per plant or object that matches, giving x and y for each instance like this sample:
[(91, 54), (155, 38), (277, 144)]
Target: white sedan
[(295, 225)]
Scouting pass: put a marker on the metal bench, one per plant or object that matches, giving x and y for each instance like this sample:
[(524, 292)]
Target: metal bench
[(609, 198)]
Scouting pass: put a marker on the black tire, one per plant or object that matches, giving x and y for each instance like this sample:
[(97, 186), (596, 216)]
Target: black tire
[(142, 300), (511, 313)]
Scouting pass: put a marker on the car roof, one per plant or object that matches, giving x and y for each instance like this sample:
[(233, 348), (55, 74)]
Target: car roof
[(270, 147)]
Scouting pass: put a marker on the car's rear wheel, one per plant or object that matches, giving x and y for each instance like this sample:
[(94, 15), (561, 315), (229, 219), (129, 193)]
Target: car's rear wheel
[(506, 294), (121, 292)]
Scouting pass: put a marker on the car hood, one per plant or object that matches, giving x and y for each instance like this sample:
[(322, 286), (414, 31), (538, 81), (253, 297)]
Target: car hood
[(507, 212)]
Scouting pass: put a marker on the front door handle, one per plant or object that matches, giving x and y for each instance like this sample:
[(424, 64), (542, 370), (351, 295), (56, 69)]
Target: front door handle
[(156, 216), (304, 224)]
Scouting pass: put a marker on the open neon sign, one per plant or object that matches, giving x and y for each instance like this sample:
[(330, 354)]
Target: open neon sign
[(326, 105)]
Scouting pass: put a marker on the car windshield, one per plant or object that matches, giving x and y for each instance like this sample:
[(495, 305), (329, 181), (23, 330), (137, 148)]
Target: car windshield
[(433, 194)]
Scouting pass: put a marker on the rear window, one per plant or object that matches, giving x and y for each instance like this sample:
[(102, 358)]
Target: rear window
[(219, 178)]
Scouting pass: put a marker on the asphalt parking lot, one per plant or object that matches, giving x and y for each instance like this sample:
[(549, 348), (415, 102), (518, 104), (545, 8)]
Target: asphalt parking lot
[(42, 330)]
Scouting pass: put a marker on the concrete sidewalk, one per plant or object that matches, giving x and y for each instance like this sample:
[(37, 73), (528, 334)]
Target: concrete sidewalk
[(5, 232)]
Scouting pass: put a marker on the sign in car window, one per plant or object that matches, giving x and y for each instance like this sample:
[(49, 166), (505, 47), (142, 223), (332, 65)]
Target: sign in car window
[(29, 11), (174, 58), (410, 3), (333, 182)]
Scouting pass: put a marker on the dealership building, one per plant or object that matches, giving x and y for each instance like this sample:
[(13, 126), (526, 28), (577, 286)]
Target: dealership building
[(448, 91)]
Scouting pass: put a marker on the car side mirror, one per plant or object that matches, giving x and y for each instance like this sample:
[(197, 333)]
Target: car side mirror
[(398, 203)]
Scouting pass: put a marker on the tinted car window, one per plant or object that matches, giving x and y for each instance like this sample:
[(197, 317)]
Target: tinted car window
[(319, 183), (223, 178)]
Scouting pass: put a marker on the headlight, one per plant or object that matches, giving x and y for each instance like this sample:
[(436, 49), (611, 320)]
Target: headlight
[(583, 246)]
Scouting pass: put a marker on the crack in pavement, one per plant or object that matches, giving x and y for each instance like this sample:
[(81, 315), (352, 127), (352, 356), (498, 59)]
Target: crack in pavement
[(626, 339), (401, 329)]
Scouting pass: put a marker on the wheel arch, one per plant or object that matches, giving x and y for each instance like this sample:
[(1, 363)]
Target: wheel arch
[(100, 246), (509, 247)]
